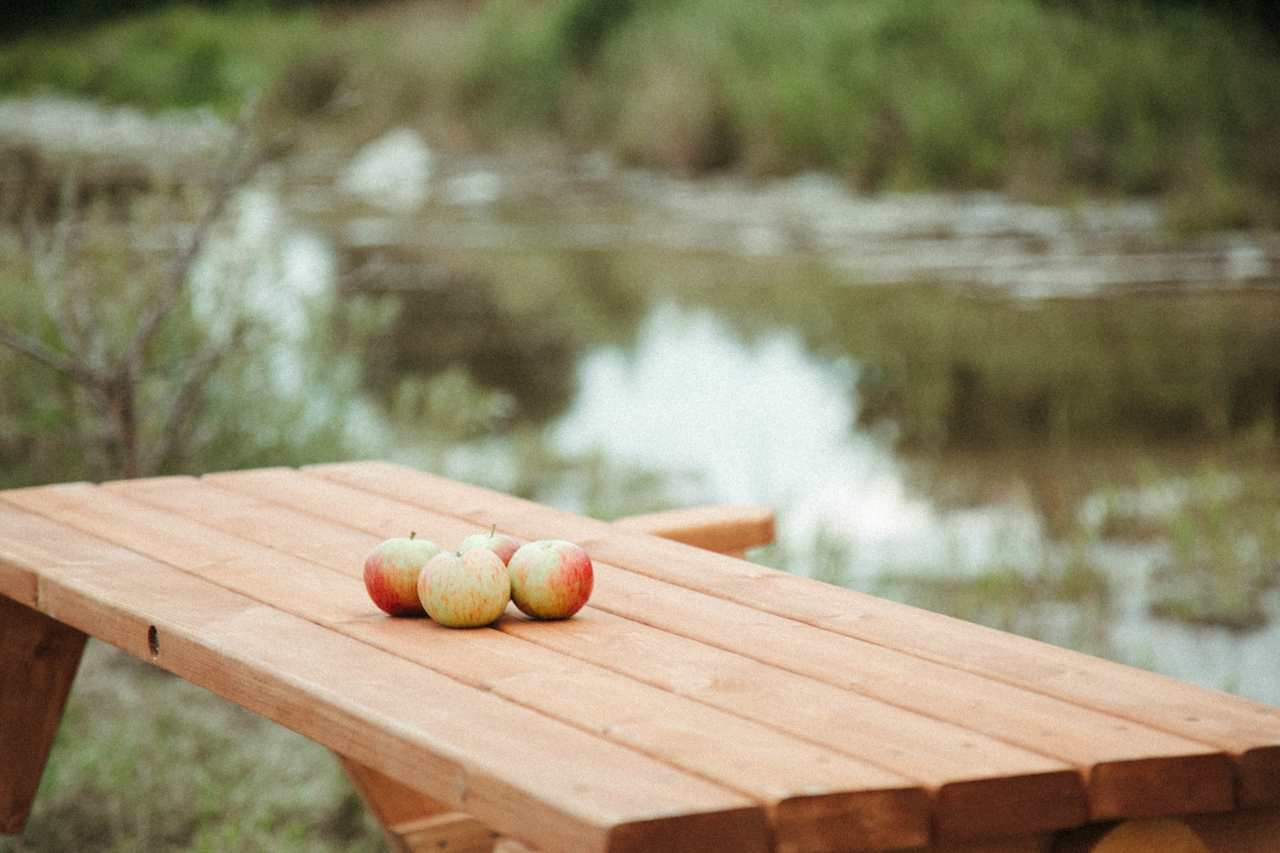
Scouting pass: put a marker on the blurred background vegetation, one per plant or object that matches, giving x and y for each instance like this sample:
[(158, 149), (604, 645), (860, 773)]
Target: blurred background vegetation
[(981, 295), (1041, 99)]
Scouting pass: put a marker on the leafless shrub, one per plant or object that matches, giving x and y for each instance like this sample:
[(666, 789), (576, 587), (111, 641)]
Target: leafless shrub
[(107, 366)]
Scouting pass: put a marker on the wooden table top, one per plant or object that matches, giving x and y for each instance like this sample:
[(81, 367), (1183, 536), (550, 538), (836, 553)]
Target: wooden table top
[(699, 702)]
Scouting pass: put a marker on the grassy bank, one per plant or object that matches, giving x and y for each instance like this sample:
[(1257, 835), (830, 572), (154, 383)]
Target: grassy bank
[(1038, 99)]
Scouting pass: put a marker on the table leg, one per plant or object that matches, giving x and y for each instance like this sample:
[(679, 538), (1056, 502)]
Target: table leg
[(413, 821), (38, 661), (1250, 831)]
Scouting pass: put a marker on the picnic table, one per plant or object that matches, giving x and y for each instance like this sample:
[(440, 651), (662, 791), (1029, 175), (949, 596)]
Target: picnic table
[(698, 703)]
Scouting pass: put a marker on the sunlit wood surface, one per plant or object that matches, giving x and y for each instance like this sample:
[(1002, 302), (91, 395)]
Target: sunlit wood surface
[(700, 702)]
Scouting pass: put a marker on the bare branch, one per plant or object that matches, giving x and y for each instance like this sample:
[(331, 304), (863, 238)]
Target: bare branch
[(37, 350), (185, 401), (50, 263), (235, 170)]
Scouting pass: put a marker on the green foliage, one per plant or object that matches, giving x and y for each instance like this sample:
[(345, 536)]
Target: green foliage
[(984, 93), (1224, 553), (1045, 100), (586, 24), (182, 56), (514, 69), (241, 415)]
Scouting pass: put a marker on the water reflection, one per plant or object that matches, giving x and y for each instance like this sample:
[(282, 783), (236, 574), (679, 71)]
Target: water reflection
[(766, 422), (520, 338), (765, 419)]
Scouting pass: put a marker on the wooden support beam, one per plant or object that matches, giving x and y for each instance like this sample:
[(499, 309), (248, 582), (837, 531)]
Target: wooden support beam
[(413, 821), (724, 529), (1167, 835), (454, 832), (1014, 844), (38, 661), (1247, 831)]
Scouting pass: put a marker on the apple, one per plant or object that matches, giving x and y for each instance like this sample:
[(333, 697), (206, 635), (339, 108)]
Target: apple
[(551, 578), (391, 573), (499, 543), (467, 590)]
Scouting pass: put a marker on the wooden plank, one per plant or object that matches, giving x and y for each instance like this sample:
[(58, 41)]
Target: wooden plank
[(477, 752), (1248, 731), (38, 661), (981, 780), (985, 785), (725, 529), (818, 801), (1132, 769)]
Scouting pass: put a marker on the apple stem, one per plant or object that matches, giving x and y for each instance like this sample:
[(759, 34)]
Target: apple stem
[(493, 529), (412, 534)]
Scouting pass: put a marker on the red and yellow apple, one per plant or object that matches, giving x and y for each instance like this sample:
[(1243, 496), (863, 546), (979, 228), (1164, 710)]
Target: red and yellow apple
[(499, 543), (391, 573), (551, 578), (467, 590)]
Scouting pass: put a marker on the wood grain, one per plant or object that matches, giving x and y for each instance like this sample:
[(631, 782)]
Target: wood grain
[(984, 786), (1248, 731), (819, 801), (1131, 769), (476, 752), (38, 661)]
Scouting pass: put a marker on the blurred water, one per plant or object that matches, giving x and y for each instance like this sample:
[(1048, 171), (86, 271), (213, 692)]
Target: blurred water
[(769, 423)]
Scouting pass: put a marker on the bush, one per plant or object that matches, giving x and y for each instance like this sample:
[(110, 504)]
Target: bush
[(980, 94), (181, 57)]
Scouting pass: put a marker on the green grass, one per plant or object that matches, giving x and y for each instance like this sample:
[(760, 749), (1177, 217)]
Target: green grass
[(1223, 552)]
